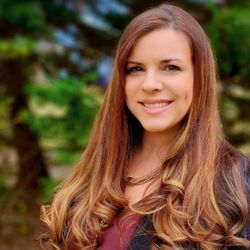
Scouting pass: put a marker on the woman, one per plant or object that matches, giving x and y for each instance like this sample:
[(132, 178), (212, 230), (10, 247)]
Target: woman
[(157, 172)]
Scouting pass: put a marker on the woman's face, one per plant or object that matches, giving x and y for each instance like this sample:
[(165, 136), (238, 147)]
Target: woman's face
[(159, 80)]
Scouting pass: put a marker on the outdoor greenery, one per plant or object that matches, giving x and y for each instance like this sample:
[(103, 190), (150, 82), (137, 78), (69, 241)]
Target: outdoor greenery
[(63, 110), (55, 63)]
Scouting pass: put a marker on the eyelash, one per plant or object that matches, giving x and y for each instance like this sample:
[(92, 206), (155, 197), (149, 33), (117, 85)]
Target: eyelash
[(173, 67), (135, 69)]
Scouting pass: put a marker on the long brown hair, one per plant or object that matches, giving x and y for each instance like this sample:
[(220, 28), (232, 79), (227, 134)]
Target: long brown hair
[(202, 198)]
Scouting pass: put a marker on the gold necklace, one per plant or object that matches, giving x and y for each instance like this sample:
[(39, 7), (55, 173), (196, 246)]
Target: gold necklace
[(133, 181)]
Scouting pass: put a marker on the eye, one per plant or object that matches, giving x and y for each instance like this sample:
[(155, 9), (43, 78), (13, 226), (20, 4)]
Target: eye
[(133, 69), (171, 68)]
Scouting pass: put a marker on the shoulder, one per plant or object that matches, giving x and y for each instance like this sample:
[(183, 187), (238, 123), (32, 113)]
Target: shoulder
[(245, 167), (244, 164), (231, 157)]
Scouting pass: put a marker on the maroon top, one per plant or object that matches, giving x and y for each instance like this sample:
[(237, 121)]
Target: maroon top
[(115, 240)]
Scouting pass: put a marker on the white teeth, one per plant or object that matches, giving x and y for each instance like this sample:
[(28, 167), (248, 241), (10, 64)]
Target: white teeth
[(155, 105)]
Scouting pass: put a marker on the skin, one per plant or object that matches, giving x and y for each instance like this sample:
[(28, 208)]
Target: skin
[(159, 91)]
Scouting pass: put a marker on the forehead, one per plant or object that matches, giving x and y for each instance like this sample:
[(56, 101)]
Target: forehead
[(164, 42)]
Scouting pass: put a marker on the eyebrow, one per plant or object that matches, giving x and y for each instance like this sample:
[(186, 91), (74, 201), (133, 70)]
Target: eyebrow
[(162, 61)]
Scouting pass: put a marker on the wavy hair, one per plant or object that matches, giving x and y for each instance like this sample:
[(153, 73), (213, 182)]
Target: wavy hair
[(202, 197)]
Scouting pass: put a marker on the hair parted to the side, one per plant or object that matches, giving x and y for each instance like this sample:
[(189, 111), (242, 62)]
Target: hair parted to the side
[(202, 198)]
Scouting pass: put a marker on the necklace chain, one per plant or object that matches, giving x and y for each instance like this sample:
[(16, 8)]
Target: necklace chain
[(133, 181)]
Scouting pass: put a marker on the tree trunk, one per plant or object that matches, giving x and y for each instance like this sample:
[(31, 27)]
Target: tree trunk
[(32, 165)]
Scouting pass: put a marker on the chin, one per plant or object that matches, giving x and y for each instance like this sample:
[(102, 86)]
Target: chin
[(155, 129), (161, 127)]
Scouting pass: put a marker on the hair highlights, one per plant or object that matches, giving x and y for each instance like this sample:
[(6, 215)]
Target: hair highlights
[(202, 197)]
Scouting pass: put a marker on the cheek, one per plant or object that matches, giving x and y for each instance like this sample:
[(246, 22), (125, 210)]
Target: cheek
[(130, 90), (184, 93), (188, 90), (189, 96)]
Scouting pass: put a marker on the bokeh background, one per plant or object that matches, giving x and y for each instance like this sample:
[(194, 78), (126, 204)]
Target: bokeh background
[(56, 60)]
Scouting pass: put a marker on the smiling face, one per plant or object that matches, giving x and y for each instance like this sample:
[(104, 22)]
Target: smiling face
[(159, 80)]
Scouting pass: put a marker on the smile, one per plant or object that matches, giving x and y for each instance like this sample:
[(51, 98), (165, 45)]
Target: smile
[(157, 103), (154, 106)]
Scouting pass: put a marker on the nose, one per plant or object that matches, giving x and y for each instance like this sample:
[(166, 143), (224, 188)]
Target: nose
[(151, 82)]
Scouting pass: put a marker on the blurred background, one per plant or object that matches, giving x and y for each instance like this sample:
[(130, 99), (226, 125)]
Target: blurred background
[(56, 60)]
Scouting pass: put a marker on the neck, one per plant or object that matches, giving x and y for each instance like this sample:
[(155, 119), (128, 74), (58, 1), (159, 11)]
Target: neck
[(150, 154), (155, 144)]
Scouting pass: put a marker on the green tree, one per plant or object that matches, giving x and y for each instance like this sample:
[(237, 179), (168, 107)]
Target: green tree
[(28, 42), (229, 31)]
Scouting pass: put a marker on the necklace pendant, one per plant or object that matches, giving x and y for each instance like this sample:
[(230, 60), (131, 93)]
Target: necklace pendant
[(133, 181)]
